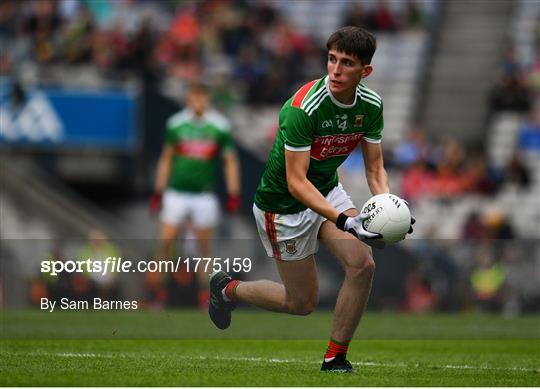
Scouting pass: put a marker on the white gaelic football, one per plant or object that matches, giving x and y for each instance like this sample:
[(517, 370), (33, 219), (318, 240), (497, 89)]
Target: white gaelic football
[(389, 216)]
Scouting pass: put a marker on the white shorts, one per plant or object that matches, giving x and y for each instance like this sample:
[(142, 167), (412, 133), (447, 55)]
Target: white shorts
[(293, 237), (201, 208)]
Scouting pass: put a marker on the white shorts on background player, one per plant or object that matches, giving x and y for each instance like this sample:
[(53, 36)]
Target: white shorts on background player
[(201, 208), (294, 236)]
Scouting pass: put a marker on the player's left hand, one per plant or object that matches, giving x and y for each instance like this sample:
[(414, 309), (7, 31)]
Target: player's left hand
[(233, 204)]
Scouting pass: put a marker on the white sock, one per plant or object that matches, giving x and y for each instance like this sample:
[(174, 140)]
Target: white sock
[(225, 296)]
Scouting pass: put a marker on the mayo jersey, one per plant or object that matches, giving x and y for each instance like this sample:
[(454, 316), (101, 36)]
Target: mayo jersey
[(313, 120), (198, 142)]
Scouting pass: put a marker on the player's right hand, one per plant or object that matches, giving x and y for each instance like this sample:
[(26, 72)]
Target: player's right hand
[(355, 226), (154, 206)]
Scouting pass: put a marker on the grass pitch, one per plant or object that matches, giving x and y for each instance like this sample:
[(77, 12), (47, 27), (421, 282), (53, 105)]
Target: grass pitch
[(263, 349)]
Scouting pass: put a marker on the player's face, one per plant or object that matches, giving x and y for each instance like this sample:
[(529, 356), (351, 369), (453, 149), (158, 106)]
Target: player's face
[(198, 102), (345, 72)]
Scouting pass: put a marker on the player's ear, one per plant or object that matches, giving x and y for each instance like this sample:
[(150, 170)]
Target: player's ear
[(366, 70)]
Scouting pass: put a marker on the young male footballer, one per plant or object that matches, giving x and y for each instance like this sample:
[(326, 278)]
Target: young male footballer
[(300, 200), (195, 139)]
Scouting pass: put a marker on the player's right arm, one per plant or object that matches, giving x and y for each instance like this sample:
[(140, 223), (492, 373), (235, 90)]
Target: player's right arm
[(299, 130), (162, 178), (296, 166), (164, 168)]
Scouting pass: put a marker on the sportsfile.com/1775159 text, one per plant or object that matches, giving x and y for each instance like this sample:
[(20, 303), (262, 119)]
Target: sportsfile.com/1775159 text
[(119, 265)]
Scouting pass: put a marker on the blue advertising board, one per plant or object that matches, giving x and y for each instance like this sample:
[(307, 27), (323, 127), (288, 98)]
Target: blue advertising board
[(69, 118)]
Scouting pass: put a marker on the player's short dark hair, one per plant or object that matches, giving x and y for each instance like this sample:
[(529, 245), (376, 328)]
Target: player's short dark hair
[(354, 41)]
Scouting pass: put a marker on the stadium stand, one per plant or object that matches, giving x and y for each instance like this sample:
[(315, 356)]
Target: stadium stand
[(458, 76)]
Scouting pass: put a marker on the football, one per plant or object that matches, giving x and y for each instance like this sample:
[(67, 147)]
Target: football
[(389, 216)]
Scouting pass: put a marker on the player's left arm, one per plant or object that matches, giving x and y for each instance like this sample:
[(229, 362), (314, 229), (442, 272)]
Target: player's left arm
[(376, 176), (375, 172), (231, 172), (231, 169)]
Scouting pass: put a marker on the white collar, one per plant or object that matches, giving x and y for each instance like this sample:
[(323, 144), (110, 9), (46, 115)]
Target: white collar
[(335, 101), (191, 115)]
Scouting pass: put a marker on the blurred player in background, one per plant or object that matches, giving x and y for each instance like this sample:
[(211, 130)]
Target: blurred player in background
[(195, 139), (300, 199)]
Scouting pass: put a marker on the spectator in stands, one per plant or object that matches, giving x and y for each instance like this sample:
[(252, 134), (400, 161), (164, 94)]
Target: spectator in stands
[(382, 18), (417, 181), (8, 18), (533, 75), (529, 133), (487, 280), (99, 248), (510, 65), (449, 181), (511, 93), (413, 15), (79, 43), (474, 227), (514, 88), (179, 49), (491, 224), (250, 72), (356, 15), (42, 22), (141, 47), (497, 225), (479, 177), (413, 149), (103, 55), (420, 296), (517, 171)]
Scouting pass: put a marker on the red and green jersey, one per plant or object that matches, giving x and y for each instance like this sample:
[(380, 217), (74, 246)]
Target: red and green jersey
[(197, 142), (313, 120)]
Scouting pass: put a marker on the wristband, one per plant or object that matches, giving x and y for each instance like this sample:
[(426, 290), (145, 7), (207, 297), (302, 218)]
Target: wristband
[(341, 220)]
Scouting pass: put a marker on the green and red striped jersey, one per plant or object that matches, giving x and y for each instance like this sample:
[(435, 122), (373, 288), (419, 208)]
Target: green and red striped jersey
[(198, 142), (313, 120)]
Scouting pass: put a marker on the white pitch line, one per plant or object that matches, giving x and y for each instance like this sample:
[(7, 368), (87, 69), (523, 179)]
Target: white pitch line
[(84, 355), (374, 364), (282, 360)]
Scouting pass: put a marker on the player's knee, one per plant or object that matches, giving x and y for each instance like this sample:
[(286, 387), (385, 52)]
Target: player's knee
[(361, 270), (302, 309), (303, 306)]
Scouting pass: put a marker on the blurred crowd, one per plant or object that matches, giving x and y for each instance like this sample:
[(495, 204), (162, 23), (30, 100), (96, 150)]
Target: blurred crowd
[(489, 267), (486, 276), (245, 48), (517, 86), (444, 169), (517, 83)]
